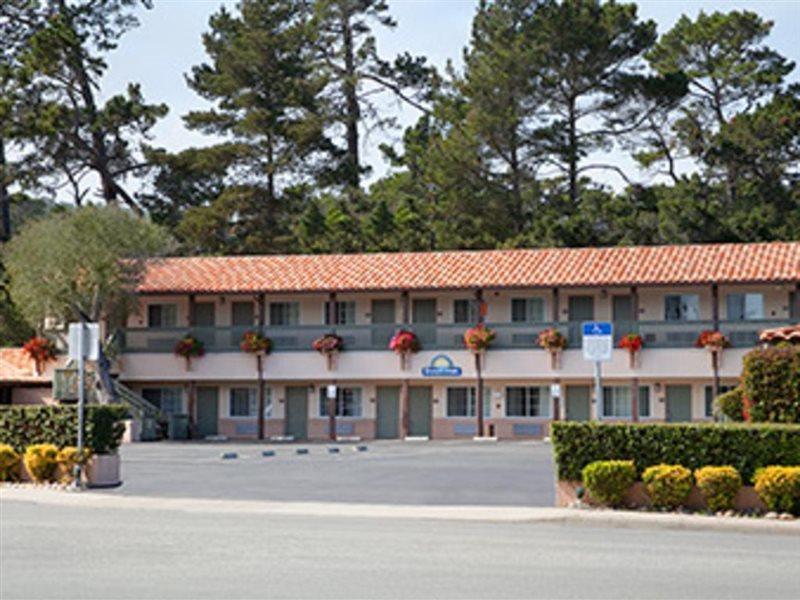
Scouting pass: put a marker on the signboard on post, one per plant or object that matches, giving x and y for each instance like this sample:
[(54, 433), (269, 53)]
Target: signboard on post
[(598, 341), (91, 341), (598, 347)]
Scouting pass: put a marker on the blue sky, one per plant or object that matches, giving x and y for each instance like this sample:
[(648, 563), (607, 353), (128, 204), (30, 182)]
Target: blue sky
[(167, 44)]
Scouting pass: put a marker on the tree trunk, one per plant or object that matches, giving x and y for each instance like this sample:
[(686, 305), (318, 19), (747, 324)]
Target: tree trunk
[(5, 201), (572, 155), (353, 113)]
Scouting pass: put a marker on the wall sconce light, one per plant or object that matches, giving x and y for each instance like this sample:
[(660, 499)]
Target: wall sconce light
[(604, 293), (372, 400), (222, 299), (436, 401), (657, 387), (281, 401)]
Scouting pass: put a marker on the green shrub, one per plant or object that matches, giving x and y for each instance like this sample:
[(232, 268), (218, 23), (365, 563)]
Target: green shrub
[(731, 404), (608, 480), (23, 426), (719, 486), (745, 446), (668, 486), (41, 461), (67, 458), (9, 463), (771, 382), (779, 488)]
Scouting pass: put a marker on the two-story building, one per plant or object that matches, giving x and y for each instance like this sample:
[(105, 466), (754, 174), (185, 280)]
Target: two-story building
[(666, 294)]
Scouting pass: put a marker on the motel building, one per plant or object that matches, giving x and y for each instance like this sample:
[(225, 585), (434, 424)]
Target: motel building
[(668, 295)]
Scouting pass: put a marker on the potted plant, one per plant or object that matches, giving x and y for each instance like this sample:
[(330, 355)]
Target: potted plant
[(632, 342), (478, 339), (107, 427), (552, 340), (329, 345), (404, 343), (715, 342), (189, 347), (254, 342), (40, 350)]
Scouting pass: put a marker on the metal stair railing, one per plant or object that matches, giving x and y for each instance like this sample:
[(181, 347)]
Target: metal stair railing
[(136, 402)]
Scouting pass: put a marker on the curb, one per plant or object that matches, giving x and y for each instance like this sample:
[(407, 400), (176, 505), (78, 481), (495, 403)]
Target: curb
[(518, 514)]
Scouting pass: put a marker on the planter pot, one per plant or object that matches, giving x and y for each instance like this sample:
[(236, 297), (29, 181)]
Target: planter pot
[(103, 470)]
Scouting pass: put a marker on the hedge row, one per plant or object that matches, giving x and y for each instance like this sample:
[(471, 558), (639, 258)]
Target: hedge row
[(743, 446), (23, 426)]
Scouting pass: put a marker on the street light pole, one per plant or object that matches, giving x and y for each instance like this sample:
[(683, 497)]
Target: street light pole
[(81, 403)]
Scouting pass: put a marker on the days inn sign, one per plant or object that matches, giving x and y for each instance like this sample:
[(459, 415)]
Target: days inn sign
[(441, 365)]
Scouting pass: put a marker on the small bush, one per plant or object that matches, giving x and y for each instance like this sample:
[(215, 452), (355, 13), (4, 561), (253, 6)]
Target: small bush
[(67, 458), (771, 381), (667, 485), (779, 488), (719, 486), (731, 404), (608, 480), (40, 461), (9, 463)]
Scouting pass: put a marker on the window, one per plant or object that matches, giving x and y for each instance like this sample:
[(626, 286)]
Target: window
[(348, 402), (285, 313), (683, 307), (242, 314), (742, 307), (168, 399), (527, 401), (204, 314), (162, 315), (461, 401), (243, 402), (617, 401), (345, 313), (527, 310), (710, 397), (465, 311)]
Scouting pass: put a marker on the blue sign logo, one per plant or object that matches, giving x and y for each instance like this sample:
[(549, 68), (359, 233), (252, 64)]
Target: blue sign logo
[(596, 328), (441, 365)]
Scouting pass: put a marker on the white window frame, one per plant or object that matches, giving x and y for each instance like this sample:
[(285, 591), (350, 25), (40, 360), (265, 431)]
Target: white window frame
[(629, 416), (756, 297), (472, 404), (162, 305), (358, 396), (472, 310), (343, 310), (684, 308), (545, 401), (253, 400), (180, 398), (291, 310), (528, 300)]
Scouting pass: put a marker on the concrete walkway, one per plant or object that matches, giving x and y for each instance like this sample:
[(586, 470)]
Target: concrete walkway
[(609, 518)]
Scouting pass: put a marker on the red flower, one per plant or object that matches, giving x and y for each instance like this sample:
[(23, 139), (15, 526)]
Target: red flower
[(552, 339), (631, 342), (404, 342), (713, 340), (254, 342), (189, 347), (478, 338), (330, 343), (40, 350)]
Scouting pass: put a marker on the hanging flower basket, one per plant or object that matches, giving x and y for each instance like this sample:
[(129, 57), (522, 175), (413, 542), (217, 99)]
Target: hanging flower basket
[(552, 340), (404, 343), (254, 342), (189, 347), (478, 339), (329, 345), (712, 340), (633, 343), (715, 342), (40, 350)]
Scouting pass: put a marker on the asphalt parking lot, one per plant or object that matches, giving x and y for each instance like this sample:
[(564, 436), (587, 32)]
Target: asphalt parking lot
[(392, 472)]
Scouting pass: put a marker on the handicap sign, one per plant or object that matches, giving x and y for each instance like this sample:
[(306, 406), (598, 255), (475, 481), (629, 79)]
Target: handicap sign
[(598, 341), (441, 365)]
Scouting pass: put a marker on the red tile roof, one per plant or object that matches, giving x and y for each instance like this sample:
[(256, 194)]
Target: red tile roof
[(565, 267), (16, 366)]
